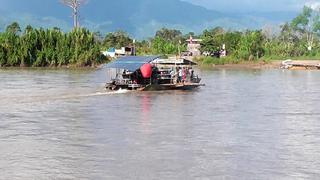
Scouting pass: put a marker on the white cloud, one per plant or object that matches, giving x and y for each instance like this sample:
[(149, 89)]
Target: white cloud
[(315, 5), (251, 5)]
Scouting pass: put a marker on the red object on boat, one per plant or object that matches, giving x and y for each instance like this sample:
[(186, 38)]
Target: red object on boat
[(146, 70)]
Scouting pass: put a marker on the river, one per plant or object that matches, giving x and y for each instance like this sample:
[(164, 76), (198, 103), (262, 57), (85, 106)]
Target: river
[(244, 124)]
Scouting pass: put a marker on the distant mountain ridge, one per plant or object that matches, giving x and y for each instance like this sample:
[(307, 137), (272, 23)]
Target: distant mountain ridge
[(141, 18)]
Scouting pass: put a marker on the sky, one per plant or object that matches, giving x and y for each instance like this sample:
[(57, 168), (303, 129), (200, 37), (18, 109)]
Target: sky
[(238, 5), (254, 5), (238, 14)]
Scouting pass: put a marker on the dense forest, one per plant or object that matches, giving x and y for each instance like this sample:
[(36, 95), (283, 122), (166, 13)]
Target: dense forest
[(31, 47)]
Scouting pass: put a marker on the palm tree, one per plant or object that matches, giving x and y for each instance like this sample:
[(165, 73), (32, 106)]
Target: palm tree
[(14, 28)]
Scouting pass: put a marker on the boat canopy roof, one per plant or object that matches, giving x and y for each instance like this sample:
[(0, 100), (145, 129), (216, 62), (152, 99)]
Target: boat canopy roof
[(131, 63), (171, 61)]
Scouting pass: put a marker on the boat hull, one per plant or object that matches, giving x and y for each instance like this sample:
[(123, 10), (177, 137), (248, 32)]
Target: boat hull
[(163, 87), (156, 87)]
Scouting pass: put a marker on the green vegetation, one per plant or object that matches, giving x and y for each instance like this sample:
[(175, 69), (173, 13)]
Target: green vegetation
[(117, 40), (166, 41), (51, 47), (299, 39), (208, 60)]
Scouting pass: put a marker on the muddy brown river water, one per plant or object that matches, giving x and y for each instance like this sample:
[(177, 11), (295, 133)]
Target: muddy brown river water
[(245, 124)]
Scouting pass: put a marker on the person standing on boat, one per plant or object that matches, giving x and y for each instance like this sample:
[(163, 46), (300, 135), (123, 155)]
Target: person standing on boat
[(191, 72), (172, 76), (184, 75), (180, 75)]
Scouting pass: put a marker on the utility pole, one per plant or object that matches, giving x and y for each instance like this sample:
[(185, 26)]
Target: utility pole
[(134, 47), (179, 48)]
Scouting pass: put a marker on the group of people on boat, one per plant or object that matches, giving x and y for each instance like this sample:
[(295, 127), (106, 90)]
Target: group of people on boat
[(182, 75), (174, 75)]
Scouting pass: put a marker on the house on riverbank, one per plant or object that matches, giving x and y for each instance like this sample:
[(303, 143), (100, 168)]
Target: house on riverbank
[(124, 51), (194, 46)]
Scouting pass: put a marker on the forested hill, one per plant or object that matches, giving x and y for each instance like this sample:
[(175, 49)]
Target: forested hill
[(140, 18)]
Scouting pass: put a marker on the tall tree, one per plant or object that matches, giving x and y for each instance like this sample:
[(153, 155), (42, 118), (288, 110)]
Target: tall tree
[(213, 39), (14, 28), (75, 6), (169, 34), (117, 39), (307, 24)]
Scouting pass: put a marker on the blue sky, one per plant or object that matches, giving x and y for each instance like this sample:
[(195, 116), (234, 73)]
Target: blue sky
[(102, 15), (230, 5), (253, 5)]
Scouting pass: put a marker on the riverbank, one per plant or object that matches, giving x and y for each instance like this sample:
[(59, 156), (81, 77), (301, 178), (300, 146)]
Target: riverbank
[(71, 67), (245, 65), (260, 64)]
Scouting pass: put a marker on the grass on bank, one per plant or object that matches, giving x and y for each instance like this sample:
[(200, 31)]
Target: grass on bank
[(208, 60)]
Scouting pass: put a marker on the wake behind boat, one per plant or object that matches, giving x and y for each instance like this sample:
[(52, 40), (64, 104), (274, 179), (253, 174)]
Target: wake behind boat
[(151, 73)]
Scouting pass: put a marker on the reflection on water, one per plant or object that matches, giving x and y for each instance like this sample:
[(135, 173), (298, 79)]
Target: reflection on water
[(145, 104), (60, 124)]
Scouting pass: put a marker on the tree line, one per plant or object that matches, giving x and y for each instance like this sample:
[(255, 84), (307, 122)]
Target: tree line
[(38, 47), (48, 47), (299, 38)]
